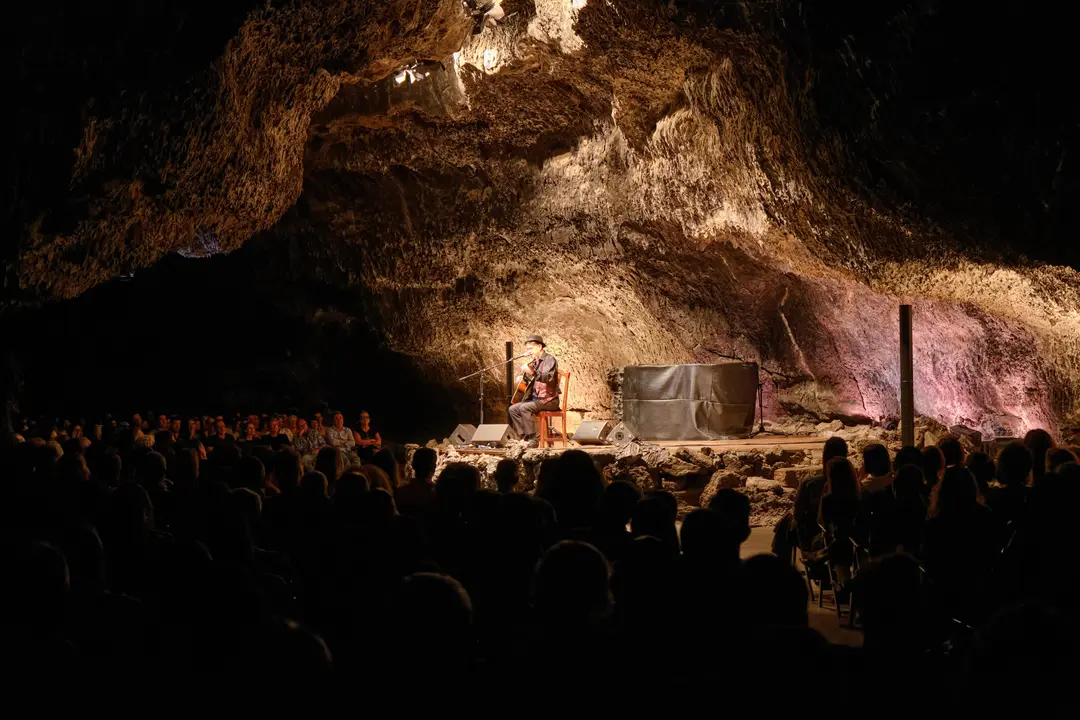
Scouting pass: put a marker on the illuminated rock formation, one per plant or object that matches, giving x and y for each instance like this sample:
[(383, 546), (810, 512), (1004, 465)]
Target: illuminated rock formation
[(639, 182)]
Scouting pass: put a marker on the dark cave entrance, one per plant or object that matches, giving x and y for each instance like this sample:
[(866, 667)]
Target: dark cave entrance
[(238, 333)]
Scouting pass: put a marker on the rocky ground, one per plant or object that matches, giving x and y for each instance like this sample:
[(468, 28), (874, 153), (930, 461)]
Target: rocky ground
[(769, 476)]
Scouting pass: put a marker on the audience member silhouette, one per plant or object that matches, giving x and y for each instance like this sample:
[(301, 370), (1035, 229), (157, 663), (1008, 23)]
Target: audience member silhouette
[(506, 476), (960, 541), (933, 466), (417, 497), (982, 469), (952, 452), (808, 496), (1014, 466), (1038, 442)]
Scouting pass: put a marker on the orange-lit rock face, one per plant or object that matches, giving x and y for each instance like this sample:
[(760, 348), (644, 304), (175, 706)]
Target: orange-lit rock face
[(634, 184)]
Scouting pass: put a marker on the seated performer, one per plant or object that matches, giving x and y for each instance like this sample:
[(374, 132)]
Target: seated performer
[(543, 369)]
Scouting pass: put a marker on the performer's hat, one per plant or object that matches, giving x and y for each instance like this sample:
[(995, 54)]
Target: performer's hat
[(535, 339)]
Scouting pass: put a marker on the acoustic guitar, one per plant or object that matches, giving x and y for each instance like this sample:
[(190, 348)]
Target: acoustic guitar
[(522, 388)]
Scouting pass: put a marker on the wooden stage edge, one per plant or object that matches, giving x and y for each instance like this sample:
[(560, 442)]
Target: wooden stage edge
[(761, 442)]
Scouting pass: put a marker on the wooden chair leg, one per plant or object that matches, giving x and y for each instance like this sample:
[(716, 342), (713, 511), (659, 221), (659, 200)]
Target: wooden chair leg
[(565, 437), (543, 433)]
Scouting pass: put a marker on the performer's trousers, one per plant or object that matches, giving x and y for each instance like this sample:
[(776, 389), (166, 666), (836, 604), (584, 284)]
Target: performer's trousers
[(523, 415)]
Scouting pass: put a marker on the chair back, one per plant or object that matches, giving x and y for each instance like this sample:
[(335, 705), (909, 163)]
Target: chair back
[(564, 403)]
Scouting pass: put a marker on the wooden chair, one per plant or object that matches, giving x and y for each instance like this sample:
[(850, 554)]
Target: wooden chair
[(545, 417)]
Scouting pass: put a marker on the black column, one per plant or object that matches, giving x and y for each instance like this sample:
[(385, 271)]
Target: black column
[(509, 371), (907, 380)]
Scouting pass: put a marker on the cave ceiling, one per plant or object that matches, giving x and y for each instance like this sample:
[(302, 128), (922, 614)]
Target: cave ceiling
[(640, 182)]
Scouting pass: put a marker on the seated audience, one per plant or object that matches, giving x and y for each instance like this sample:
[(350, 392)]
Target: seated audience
[(308, 440), (248, 439), (838, 514), (959, 545), (367, 439), (338, 436), (134, 550), (219, 439), (274, 437), (808, 496)]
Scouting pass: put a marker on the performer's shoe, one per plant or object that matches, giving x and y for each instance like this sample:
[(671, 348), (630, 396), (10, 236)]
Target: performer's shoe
[(533, 442)]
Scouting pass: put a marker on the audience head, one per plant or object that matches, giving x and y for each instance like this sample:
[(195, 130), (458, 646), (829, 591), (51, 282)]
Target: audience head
[(506, 476), (384, 459), (150, 470), (351, 488), (250, 473), (1056, 457), (424, 461), (455, 488), (185, 471), (933, 465), (952, 452), (339, 419), (908, 485), (287, 469), (433, 617), (1014, 465), (545, 477), (314, 485), (775, 594), (653, 517), (378, 478), (109, 469), (1038, 442), (706, 538), (982, 468), (876, 460), (575, 489), (571, 586), (330, 461), (835, 447), (618, 502), (908, 455), (840, 478), (734, 508), (248, 504), (956, 493), (891, 602)]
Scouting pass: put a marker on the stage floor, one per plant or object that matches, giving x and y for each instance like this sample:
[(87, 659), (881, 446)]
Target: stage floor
[(760, 442)]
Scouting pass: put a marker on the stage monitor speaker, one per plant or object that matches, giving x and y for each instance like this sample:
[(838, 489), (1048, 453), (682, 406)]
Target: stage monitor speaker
[(592, 432), (495, 435), (620, 434), (462, 434)]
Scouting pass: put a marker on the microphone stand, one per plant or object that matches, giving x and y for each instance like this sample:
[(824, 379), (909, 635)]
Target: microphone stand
[(481, 371)]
